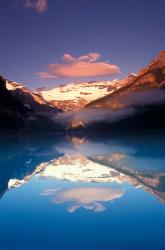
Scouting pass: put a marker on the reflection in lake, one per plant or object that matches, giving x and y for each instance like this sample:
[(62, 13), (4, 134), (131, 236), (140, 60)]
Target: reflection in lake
[(122, 177), (88, 198)]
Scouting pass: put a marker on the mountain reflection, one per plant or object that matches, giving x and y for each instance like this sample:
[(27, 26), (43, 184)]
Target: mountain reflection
[(21, 158), (78, 168), (79, 160), (88, 198), (104, 169)]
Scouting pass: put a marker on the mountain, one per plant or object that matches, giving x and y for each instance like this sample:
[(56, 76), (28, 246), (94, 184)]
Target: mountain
[(105, 94), (31, 100), (138, 104), (148, 78), (73, 97), (23, 110), (12, 110)]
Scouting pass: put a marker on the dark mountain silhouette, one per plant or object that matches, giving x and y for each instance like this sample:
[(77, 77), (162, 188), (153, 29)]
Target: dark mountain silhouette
[(11, 109)]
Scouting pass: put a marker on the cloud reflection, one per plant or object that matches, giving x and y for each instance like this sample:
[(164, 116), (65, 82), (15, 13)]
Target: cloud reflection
[(90, 198)]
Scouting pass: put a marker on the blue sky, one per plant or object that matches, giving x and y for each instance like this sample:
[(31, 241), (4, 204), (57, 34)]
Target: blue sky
[(125, 33)]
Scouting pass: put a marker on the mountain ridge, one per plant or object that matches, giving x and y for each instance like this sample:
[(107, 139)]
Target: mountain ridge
[(128, 97), (74, 96), (157, 79)]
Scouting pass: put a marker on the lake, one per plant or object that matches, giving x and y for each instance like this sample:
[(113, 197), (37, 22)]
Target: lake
[(83, 192)]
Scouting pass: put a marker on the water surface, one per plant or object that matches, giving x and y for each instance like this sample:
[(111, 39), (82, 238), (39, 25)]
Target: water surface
[(75, 192)]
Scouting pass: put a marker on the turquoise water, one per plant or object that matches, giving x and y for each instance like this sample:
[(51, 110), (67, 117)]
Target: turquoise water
[(72, 192)]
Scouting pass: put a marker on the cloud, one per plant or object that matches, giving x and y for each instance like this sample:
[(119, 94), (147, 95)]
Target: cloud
[(91, 57), (87, 116), (39, 5), (83, 66), (130, 105), (46, 75)]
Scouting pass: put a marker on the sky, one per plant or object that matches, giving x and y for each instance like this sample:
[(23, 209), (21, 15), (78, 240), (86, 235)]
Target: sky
[(52, 42)]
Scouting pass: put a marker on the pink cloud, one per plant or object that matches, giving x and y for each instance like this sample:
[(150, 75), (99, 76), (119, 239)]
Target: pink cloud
[(46, 75), (39, 5), (91, 57), (83, 66), (28, 4)]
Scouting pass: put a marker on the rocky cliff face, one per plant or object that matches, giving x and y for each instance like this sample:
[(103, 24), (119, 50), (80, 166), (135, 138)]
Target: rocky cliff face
[(150, 77), (21, 108), (32, 101), (11, 110)]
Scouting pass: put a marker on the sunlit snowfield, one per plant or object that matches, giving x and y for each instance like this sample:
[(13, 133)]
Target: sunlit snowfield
[(77, 192)]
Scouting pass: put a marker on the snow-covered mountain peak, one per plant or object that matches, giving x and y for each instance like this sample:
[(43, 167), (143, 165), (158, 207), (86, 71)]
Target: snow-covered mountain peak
[(75, 96), (33, 101), (10, 85)]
